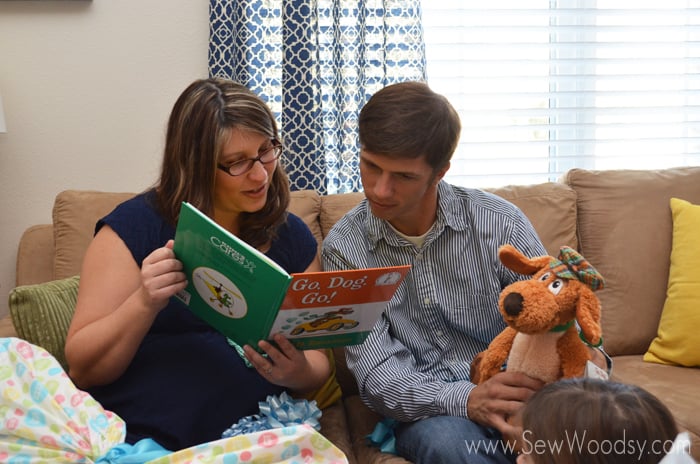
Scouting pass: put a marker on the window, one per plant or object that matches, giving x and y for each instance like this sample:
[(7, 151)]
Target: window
[(543, 86)]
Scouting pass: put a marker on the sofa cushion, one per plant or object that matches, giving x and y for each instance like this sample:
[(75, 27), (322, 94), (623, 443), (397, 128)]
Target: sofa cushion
[(675, 386), (7, 327), (334, 426), (41, 313), (35, 255), (676, 341), (550, 207), (75, 213), (334, 206), (307, 205), (624, 225)]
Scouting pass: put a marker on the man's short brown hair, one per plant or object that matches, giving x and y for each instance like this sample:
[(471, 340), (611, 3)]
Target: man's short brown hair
[(409, 120)]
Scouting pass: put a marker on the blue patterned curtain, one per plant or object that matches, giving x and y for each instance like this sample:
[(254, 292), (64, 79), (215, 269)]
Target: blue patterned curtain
[(316, 63)]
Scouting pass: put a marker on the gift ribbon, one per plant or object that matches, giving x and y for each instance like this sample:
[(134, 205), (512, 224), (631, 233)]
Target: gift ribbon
[(277, 411), (383, 436), (138, 453)]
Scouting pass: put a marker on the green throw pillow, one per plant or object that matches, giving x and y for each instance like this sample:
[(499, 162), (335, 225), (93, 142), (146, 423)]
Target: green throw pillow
[(41, 313)]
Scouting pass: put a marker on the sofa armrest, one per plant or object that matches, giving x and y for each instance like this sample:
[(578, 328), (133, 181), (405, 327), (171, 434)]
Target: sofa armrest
[(7, 328), (35, 255)]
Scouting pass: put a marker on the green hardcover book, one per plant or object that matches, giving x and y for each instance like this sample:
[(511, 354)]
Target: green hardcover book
[(248, 297), (231, 285)]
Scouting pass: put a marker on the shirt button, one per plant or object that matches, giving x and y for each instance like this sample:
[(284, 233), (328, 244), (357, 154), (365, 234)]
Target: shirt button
[(438, 333), (426, 301)]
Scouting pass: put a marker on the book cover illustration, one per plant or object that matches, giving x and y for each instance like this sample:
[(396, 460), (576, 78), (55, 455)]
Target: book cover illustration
[(248, 297), (336, 308), (232, 286)]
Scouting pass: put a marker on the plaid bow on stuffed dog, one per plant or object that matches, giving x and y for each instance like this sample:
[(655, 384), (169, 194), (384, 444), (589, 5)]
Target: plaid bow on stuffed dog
[(571, 265)]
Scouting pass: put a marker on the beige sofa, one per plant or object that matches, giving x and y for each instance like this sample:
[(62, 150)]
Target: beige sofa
[(619, 220)]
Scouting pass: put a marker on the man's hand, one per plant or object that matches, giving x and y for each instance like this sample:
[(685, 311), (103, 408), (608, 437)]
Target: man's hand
[(502, 396)]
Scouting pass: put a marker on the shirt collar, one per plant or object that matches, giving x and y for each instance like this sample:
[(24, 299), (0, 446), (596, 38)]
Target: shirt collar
[(450, 213), (451, 207)]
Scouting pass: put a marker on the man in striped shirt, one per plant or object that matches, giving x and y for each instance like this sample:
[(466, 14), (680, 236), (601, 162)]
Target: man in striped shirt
[(414, 366)]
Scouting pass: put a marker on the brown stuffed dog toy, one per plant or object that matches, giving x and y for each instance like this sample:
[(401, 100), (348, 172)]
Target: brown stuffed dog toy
[(541, 339)]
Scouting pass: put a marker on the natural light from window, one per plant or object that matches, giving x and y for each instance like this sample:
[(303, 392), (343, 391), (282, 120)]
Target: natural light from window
[(543, 86)]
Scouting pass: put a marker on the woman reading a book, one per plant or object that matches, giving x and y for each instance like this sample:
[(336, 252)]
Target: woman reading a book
[(142, 353)]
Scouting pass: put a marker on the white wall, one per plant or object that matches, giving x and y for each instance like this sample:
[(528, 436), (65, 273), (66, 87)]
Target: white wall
[(87, 87)]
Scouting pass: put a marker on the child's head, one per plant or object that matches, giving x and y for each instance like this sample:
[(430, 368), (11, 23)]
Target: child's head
[(595, 421)]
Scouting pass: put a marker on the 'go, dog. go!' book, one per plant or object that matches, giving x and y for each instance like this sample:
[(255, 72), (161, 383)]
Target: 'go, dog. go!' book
[(248, 297)]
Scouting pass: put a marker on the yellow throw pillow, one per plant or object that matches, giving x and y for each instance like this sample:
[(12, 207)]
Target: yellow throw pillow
[(677, 342)]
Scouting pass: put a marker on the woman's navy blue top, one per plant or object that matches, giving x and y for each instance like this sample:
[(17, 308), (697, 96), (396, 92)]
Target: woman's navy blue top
[(186, 384)]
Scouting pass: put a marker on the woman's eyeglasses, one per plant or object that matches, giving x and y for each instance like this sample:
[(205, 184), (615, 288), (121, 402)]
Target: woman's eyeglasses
[(242, 166)]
